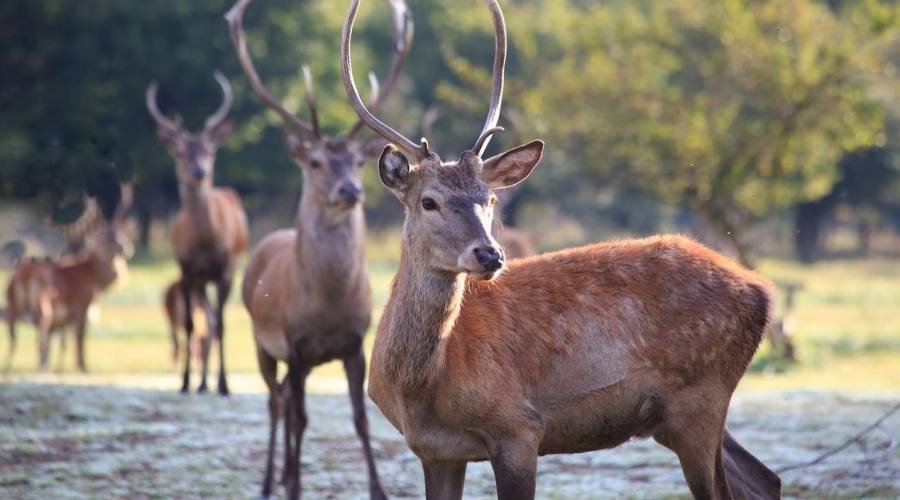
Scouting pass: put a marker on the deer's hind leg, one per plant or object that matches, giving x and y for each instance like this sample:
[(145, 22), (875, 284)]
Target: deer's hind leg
[(693, 426), (11, 347)]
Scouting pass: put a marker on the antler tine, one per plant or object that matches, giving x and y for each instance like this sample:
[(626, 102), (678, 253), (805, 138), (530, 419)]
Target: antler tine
[(219, 116), (235, 26), (366, 117), (126, 197), (311, 102), (403, 35), (493, 116), (153, 108)]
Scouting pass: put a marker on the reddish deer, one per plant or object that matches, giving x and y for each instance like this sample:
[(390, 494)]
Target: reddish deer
[(566, 352), (210, 229), (307, 289), (173, 304), (56, 294)]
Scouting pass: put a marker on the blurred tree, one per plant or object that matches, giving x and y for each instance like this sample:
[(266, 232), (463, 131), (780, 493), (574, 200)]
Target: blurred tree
[(734, 109)]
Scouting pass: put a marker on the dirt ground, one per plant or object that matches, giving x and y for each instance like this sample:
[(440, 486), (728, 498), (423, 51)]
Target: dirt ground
[(102, 442)]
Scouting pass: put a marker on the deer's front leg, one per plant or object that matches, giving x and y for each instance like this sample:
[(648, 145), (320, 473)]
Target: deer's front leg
[(223, 290), (187, 286), (80, 331), (444, 480)]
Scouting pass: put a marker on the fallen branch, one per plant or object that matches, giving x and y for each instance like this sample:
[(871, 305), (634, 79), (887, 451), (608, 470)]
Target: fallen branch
[(855, 439)]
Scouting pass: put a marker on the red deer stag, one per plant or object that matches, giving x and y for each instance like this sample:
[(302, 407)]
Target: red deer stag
[(307, 289), (566, 352), (56, 294), (210, 229)]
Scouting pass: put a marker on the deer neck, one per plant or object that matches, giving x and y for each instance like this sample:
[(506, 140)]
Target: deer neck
[(419, 317), (330, 248), (195, 201), (102, 269)]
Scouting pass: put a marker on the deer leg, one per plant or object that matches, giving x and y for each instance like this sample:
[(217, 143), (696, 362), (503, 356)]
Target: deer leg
[(355, 367), (223, 290), (444, 480), (187, 287), (287, 409), (80, 330), (692, 428), (205, 341), (11, 348), (268, 367), (61, 360), (514, 462), (298, 370), (45, 331)]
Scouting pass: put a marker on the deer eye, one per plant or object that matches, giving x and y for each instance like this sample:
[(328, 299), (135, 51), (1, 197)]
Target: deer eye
[(315, 163), (429, 204)]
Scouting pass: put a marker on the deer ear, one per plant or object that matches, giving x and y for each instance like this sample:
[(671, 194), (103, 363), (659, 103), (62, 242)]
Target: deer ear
[(219, 134), (295, 146), (373, 147), (393, 168), (512, 167)]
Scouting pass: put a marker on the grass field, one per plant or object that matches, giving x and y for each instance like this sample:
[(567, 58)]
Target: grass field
[(847, 321)]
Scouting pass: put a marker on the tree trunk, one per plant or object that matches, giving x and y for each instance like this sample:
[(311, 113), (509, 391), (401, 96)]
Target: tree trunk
[(808, 221), (145, 221)]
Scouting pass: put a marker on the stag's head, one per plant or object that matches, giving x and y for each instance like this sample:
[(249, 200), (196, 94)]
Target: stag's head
[(194, 152), (109, 238), (449, 205), (331, 165)]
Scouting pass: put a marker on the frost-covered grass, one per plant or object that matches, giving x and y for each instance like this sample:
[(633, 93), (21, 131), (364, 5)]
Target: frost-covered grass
[(103, 442)]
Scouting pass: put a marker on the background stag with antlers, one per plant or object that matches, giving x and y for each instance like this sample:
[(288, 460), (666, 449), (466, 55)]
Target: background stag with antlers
[(210, 229), (307, 289)]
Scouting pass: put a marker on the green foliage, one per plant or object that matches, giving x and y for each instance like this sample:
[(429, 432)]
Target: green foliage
[(733, 109)]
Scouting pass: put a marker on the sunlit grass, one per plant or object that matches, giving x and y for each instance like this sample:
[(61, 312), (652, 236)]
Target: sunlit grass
[(847, 321)]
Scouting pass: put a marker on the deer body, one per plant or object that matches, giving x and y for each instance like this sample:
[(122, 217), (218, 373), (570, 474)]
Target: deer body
[(309, 286), (588, 346), (56, 294)]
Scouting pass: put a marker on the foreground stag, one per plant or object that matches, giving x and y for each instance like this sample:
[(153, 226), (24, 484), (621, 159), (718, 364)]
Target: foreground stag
[(55, 295), (210, 229), (307, 289), (566, 352)]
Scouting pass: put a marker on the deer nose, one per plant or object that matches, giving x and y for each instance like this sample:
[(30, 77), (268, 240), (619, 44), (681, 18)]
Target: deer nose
[(350, 192), (489, 257), (198, 172)]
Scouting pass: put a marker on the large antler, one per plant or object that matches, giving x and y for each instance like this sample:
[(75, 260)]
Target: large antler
[(219, 116), (403, 36), (365, 116), (157, 115), (490, 123), (235, 24)]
